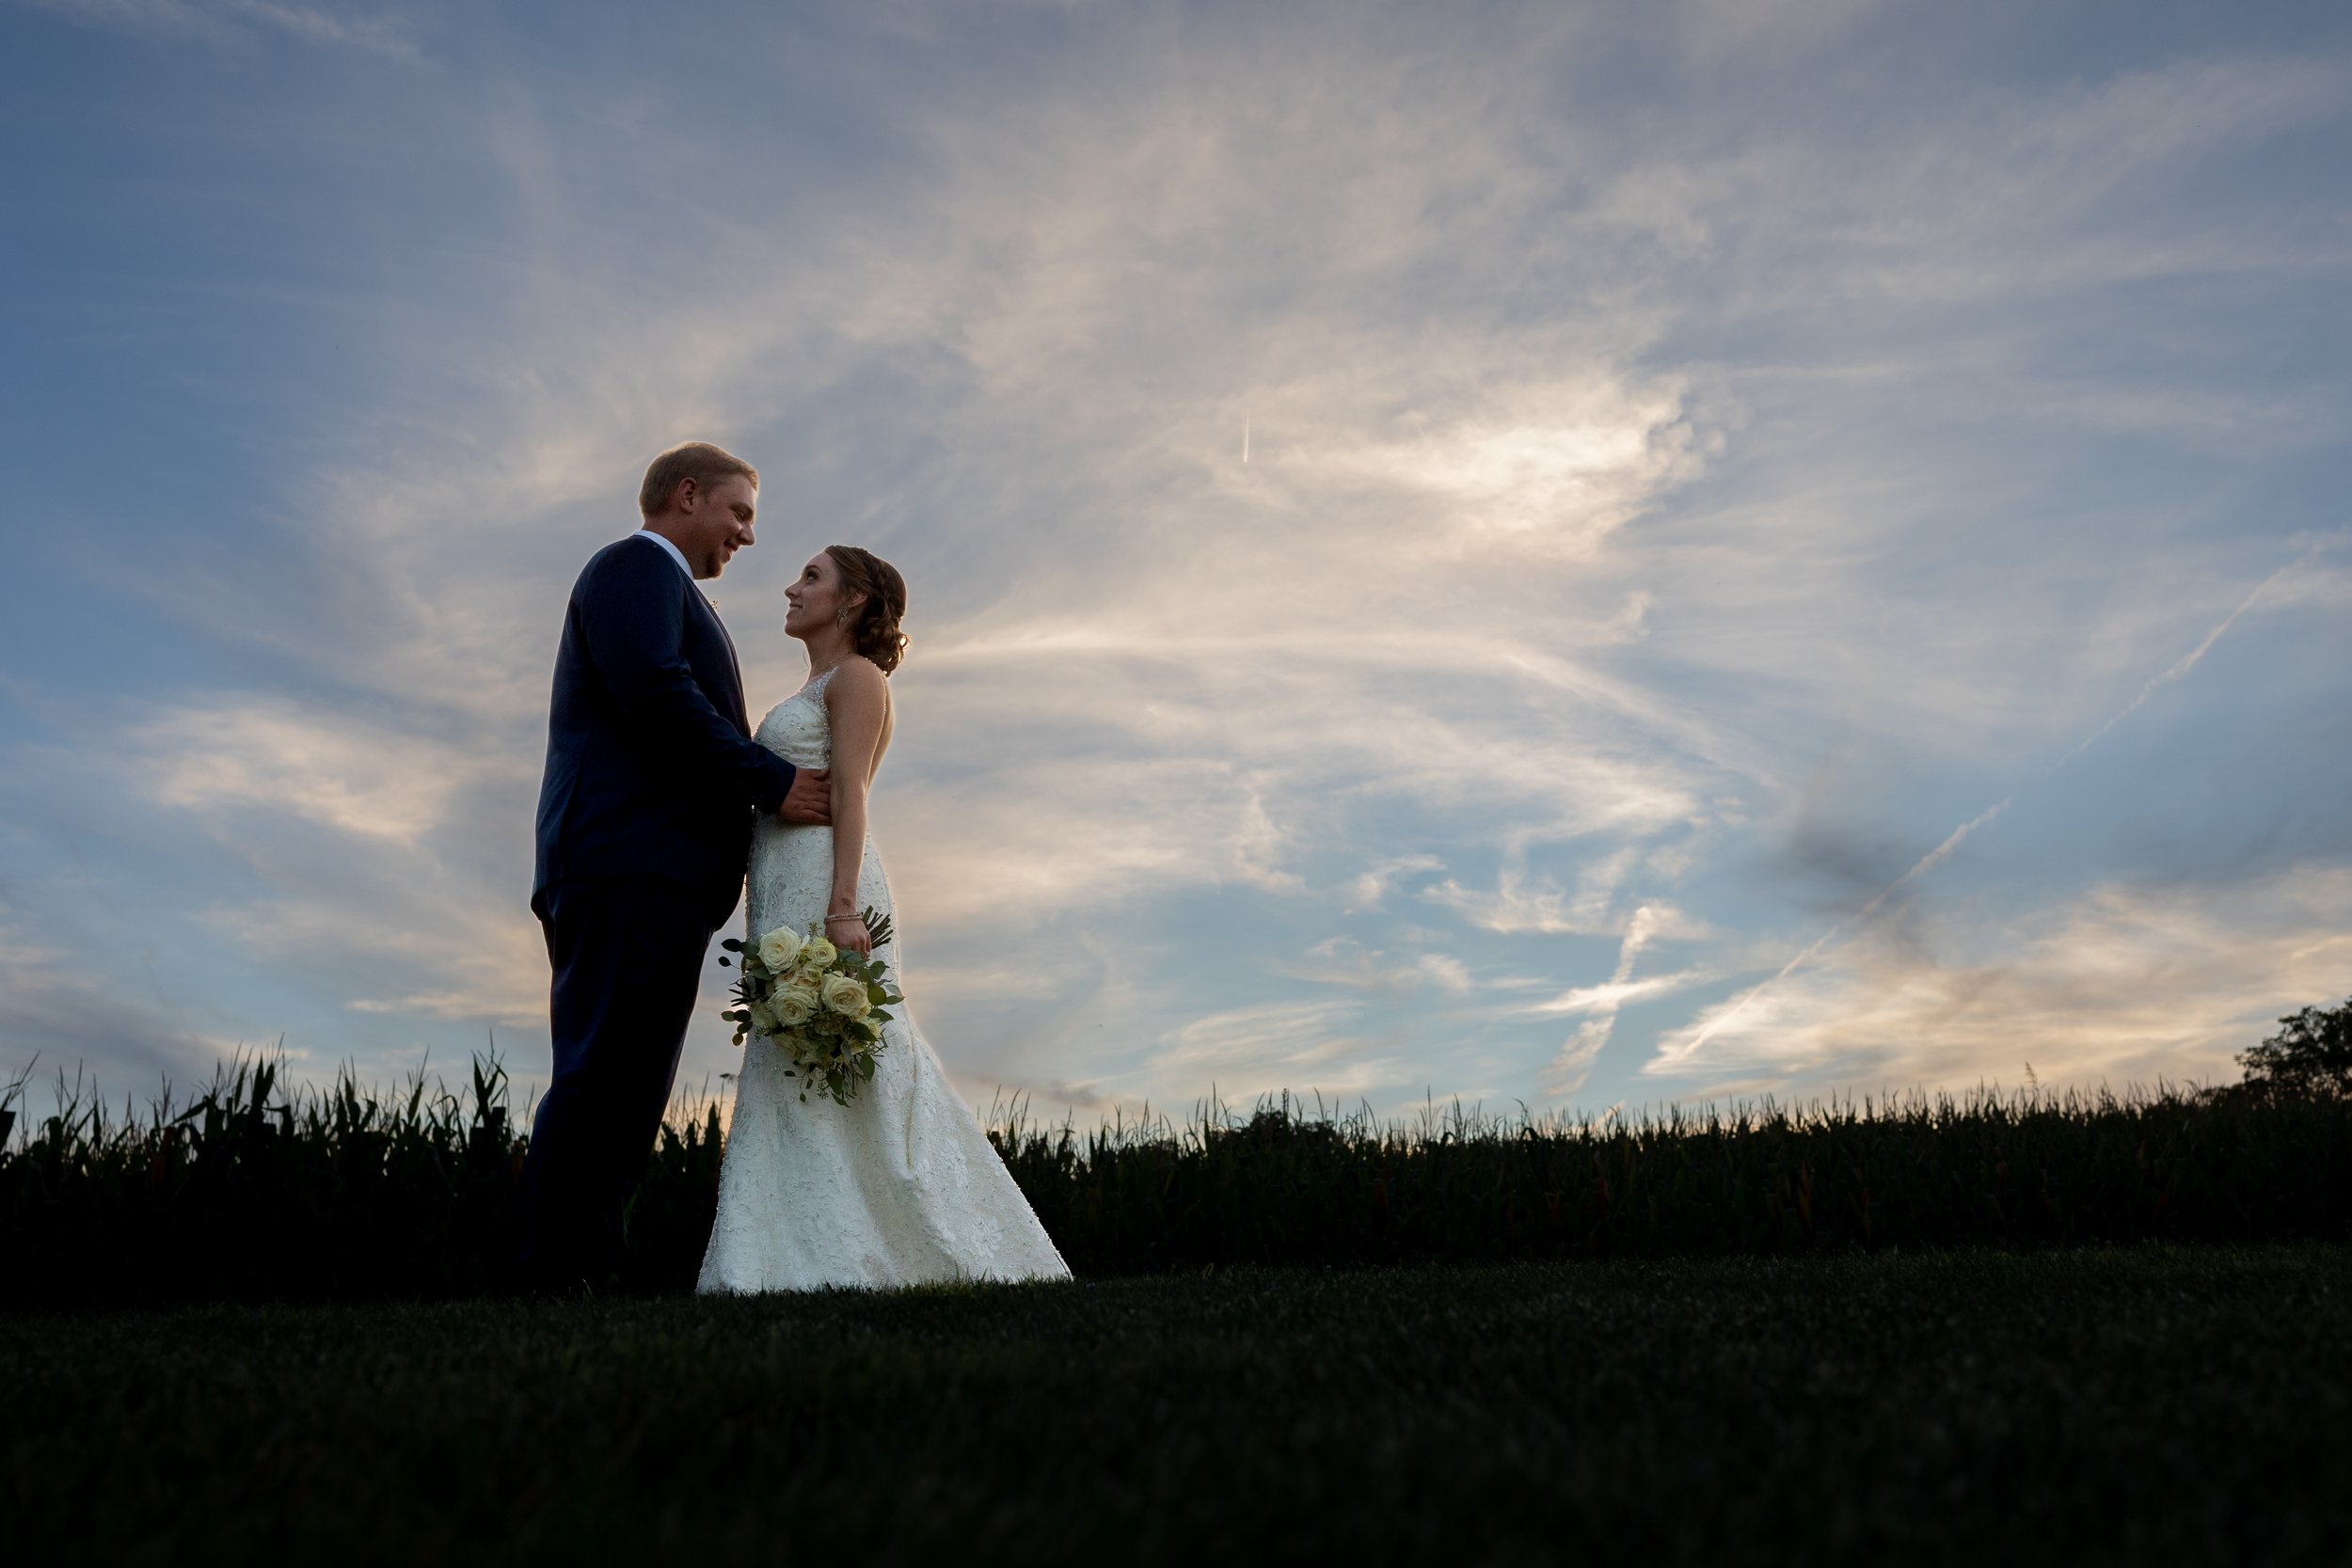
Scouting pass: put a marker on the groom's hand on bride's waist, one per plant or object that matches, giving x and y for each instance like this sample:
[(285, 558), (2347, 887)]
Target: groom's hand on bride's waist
[(810, 799)]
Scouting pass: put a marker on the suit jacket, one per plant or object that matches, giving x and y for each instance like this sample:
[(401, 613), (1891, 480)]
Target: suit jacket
[(651, 768)]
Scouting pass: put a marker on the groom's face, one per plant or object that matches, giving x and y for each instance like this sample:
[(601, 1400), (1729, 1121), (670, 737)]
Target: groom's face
[(716, 523)]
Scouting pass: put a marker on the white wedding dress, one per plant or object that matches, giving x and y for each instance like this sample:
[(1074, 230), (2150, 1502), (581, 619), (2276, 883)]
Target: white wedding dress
[(897, 1187)]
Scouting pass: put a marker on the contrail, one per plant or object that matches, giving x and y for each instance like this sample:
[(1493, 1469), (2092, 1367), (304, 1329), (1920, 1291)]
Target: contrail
[(1928, 863), (1950, 847), (2189, 662)]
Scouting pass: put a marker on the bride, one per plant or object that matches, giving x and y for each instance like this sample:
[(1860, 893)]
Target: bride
[(900, 1186)]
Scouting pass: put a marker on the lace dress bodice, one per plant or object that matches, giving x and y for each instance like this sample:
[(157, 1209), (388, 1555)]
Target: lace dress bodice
[(791, 870), (797, 729)]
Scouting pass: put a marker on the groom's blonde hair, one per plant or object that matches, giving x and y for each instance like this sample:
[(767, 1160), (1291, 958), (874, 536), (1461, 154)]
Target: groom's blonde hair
[(696, 460)]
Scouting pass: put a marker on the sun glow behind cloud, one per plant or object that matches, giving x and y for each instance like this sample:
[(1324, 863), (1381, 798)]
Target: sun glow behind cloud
[(1671, 506)]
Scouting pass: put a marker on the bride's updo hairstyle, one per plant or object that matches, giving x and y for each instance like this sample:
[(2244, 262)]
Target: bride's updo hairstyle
[(875, 632)]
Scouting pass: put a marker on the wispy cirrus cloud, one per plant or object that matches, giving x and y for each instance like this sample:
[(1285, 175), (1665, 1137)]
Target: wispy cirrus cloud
[(455, 959), (331, 769), (2121, 985), (227, 21)]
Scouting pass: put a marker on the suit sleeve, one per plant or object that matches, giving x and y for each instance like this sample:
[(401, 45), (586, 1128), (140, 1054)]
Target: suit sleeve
[(633, 622)]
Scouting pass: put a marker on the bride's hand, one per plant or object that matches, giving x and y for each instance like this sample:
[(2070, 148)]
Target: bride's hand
[(849, 933)]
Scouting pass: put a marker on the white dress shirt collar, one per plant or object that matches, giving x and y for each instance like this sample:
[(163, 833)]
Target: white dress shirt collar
[(675, 553)]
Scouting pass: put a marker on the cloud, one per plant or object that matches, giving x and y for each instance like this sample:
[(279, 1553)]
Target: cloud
[(1560, 476), (220, 21), (479, 963), (1693, 1044), (1611, 994), (334, 769), (1713, 30), (2120, 985), (1678, 1054), (1266, 1048), (1520, 903), (1371, 886), (56, 1006), (1344, 961), (316, 25), (1648, 923)]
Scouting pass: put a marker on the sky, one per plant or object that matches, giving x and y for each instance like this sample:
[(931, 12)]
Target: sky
[(1574, 556)]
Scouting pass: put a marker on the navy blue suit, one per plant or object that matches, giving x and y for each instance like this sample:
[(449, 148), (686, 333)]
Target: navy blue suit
[(645, 817)]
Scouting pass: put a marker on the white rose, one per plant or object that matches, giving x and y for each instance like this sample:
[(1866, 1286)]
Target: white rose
[(845, 994), (763, 1017), (793, 1006), (820, 952), (780, 949)]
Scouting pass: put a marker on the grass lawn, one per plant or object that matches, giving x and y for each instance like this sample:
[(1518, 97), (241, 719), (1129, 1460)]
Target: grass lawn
[(2130, 1404)]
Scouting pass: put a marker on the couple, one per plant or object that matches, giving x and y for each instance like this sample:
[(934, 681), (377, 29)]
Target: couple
[(656, 794)]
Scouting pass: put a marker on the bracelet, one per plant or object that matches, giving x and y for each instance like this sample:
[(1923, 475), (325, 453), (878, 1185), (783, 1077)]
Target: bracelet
[(830, 918)]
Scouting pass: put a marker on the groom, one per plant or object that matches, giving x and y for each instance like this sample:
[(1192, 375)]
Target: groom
[(646, 819)]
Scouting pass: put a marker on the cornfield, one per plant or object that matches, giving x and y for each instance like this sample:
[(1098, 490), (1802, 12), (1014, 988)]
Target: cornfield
[(262, 1189), (2022, 1169)]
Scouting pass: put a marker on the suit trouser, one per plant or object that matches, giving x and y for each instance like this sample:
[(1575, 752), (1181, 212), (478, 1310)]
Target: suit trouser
[(627, 954)]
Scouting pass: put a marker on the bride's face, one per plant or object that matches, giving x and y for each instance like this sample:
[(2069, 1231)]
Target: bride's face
[(814, 601)]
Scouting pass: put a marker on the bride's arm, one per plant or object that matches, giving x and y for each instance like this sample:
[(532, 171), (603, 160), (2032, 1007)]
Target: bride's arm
[(857, 699)]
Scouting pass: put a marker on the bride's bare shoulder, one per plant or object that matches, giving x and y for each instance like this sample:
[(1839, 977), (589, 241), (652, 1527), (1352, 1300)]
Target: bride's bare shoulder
[(856, 678)]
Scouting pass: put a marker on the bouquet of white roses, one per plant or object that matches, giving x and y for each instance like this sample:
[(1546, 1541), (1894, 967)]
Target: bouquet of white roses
[(823, 1006)]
